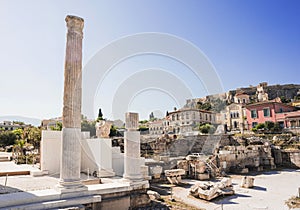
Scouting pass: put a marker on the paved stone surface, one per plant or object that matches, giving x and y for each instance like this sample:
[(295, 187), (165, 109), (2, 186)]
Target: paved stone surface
[(11, 166), (26, 183), (271, 191)]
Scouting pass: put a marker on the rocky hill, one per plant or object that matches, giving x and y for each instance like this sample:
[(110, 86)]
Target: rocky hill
[(287, 91)]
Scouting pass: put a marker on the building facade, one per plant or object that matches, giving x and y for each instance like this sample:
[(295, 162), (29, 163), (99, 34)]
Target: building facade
[(186, 120), (262, 112), (10, 126), (289, 119), (235, 118), (156, 127), (241, 98), (181, 121)]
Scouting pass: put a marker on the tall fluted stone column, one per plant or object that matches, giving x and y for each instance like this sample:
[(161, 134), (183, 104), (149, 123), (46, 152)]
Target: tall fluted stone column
[(132, 159), (71, 132)]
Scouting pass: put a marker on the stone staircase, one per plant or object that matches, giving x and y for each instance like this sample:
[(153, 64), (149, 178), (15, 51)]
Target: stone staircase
[(210, 144)]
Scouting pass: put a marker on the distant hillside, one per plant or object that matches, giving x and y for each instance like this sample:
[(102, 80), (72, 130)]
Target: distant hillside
[(26, 120)]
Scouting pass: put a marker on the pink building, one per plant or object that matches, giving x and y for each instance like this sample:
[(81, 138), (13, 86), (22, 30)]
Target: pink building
[(266, 111), (289, 119)]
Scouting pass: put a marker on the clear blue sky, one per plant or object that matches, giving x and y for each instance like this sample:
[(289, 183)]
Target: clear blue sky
[(247, 42)]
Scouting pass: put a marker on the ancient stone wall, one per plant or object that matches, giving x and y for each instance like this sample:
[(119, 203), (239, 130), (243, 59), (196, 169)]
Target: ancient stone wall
[(291, 158)]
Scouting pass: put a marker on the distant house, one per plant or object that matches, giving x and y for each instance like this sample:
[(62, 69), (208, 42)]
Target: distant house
[(156, 127), (10, 126), (241, 98), (289, 119), (185, 120), (235, 118), (48, 123), (262, 112)]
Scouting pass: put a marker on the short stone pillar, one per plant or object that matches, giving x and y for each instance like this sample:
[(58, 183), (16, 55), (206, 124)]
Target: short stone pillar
[(71, 132), (247, 182), (132, 163)]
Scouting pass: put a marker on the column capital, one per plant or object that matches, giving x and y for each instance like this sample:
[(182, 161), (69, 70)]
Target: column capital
[(75, 24), (131, 121)]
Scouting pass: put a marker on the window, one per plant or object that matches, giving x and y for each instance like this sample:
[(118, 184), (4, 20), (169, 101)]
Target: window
[(293, 123), (266, 112), (281, 124), (235, 124), (254, 124), (253, 113), (280, 110)]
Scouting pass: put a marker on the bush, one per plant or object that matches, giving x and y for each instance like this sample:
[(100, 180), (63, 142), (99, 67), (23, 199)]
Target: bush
[(260, 126), (267, 127), (207, 128), (254, 129)]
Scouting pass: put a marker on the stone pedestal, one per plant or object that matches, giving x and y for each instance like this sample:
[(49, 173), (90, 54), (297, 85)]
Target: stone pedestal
[(132, 167), (132, 163)]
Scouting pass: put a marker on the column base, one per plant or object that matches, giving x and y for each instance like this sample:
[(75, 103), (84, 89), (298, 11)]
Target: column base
[(133, 178), (137, 184), (70, 187)]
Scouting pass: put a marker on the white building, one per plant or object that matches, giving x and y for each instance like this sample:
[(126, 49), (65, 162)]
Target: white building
[(10, 126), (182, 121)]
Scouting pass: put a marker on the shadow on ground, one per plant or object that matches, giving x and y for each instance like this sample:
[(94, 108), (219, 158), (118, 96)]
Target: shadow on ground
[(227, 199), (7, 189)]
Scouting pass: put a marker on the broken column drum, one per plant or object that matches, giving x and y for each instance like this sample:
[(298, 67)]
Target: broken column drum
[(71, 132), (132, 161)]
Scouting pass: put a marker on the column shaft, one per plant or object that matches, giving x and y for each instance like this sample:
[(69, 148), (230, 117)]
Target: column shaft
[(71, 132)]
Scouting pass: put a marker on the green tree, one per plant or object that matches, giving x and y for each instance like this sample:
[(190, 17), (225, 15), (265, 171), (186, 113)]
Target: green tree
[(260, 126), (18, 122), (269, 125), (113, 131), (284, 99), (143, 121), (7, 138), (143, 128), (100, 115), (34, 136), (57, 127), (204, 106), (19, 133), (88, 126)]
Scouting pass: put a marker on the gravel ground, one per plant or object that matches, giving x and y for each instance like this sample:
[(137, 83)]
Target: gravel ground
[(271, 191)]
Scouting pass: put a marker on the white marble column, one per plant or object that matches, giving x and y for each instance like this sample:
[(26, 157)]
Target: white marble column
[(132, 160), (71, 132)]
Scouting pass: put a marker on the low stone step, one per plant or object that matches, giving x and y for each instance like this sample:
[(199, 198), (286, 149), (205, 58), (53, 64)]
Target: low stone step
[(14, 173), (4, 158)]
